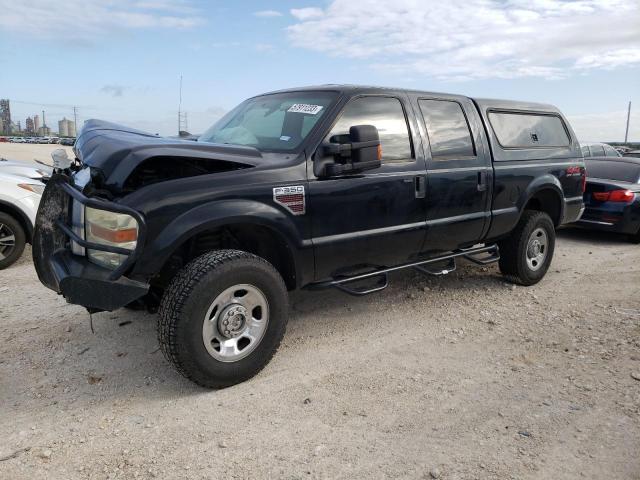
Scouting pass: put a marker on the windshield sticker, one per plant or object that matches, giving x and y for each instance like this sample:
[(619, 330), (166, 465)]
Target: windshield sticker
[(305, 108), (285, 138)]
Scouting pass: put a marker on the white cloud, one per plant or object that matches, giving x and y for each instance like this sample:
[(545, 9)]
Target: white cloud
[(85, 20), (267, 13), (113, 90), (307, 13), (462, 39)]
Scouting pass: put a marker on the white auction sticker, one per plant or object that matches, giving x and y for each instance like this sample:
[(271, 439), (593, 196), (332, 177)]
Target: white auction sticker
[(304, 108)]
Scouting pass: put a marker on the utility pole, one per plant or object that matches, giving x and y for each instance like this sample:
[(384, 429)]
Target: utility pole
[(44, 125), (626, 133), (180, 107)]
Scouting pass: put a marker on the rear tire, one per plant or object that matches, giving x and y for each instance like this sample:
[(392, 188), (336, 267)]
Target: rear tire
[(635, 238), (12, 240), (525, 256), (240, 290)]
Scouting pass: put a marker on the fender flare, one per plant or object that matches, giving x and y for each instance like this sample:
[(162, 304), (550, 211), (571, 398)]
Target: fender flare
[(216, 214), (545, 182)]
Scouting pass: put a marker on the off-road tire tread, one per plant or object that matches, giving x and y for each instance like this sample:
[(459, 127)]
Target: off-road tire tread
[(509, 247), (177, 295)]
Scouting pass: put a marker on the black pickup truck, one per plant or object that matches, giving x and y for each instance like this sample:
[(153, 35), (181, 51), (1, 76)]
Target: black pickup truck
[(321, 187)]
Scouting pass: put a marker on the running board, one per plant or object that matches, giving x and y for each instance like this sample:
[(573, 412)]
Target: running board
[(473, 254)]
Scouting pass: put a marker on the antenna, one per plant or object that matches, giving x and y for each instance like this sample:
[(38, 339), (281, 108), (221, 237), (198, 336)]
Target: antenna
[(182, 116)]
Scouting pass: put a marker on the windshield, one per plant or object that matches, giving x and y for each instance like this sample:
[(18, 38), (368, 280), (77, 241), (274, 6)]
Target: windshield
[(278, 122)]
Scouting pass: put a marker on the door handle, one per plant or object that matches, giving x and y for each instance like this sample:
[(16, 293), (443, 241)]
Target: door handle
[(482, 181), (420, 184)]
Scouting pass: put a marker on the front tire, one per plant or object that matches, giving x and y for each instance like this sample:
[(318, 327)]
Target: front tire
[(12, 240), (223, 317), (526, 255)]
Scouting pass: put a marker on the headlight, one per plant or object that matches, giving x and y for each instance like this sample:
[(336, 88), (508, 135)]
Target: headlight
[(109, 228)]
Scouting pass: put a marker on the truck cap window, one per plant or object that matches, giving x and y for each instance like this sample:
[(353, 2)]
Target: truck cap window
[(448, 130), (527, 130), (278, 122), (384, 113)]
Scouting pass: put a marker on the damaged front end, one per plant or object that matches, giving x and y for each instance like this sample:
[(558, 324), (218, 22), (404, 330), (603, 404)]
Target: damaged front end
[(86, 268), (86, 240)]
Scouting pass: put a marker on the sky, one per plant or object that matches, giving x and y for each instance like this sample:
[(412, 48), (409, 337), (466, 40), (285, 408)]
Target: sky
[(121, 60)]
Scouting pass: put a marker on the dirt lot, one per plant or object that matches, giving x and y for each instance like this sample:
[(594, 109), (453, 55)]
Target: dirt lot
[(21, 151), (456, 377)]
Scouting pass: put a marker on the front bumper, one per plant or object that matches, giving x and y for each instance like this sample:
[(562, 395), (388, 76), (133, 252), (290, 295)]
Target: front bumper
[(78, 280)]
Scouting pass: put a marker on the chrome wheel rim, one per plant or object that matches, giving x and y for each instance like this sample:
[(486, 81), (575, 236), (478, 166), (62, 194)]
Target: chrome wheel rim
[(235, 323), (7, 241), (537, 249)]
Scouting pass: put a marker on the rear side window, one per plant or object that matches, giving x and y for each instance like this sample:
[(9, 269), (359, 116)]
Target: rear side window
[(384, 113), (448, 130), (597, 151), (613, 170), (585, 151), (528, 130), (609, 151)]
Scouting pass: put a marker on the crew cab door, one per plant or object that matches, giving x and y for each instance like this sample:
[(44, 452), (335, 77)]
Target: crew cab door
[(459, 172), (375, 217)]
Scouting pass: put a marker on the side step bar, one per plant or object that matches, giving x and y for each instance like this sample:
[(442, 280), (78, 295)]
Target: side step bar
[(422, 266)]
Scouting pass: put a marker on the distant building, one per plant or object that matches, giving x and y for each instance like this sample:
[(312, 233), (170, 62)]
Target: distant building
[(36, 123), (28, 126), (66, 128), (5, 117), (44, 131)]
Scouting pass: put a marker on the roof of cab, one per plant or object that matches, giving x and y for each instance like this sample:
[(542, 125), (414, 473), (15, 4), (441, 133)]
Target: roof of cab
[(483, 103)]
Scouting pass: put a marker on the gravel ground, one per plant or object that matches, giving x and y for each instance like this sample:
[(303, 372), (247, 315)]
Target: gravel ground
[(26, 152), (458, 377)]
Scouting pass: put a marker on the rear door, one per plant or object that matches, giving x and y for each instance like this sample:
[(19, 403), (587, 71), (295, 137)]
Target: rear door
[(459, 172), (375, 217)]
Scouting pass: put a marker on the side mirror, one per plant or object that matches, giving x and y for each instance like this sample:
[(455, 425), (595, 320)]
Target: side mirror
[(363, 152)]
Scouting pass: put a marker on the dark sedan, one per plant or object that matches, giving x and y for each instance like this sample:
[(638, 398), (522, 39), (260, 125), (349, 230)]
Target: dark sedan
[(612, 196)]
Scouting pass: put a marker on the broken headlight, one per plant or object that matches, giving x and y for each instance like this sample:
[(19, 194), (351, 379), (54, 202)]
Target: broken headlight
[(109, 228)]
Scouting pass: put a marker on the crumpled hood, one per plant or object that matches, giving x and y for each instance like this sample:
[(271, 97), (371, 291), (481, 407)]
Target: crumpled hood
[(117, 150)]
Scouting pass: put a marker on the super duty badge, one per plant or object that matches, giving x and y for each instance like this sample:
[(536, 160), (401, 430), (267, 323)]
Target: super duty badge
[(291, 198)]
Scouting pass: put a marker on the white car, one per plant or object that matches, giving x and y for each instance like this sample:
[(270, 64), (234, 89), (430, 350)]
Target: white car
[(19, 199), (30, 169)]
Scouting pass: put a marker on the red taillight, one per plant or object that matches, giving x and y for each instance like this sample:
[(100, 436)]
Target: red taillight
[(621, 196), (614, 196), (584, 180)]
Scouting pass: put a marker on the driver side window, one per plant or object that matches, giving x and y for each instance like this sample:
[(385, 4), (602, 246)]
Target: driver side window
[(384, 113)]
